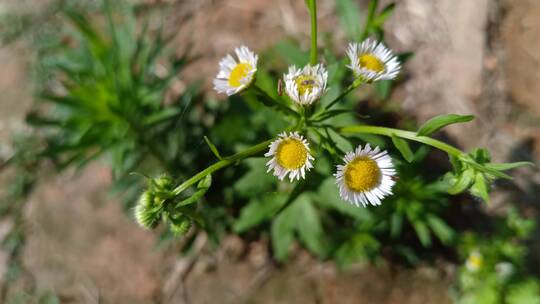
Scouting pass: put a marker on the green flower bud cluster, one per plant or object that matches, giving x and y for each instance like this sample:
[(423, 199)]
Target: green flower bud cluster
[(152, 202), (162, 202)]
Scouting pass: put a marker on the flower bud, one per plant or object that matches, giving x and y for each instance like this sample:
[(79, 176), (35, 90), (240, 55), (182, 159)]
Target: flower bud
[(147, 212)]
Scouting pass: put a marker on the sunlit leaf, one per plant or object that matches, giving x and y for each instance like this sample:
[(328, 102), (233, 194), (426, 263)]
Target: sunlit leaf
[(403, 148), (441, 121)]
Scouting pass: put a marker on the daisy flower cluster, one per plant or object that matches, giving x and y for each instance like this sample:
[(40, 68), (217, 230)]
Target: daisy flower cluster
[(367, 174)]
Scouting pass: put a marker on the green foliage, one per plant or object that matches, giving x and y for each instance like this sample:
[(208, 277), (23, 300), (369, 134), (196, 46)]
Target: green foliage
[(500, 273), (348, 12), (403, 148), (434, 124), (106, 95), (475, 172)]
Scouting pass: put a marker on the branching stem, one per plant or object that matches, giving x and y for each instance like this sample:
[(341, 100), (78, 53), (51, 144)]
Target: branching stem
[(227, 161), (403, 134)]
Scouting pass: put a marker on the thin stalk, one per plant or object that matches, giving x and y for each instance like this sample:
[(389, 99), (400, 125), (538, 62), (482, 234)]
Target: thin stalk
[(281, 106), (349, 89), (312, 6), (227, 161), (403, 134)]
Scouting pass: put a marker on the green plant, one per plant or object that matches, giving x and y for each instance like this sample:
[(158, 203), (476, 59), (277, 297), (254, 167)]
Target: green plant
[(102, 96), (105, 96), (294, 208), (495, 268)]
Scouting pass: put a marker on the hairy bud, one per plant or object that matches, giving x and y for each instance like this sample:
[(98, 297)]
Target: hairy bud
[(147, 212)]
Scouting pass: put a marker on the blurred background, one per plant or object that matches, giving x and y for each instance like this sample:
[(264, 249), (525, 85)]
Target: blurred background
[(66, 225)]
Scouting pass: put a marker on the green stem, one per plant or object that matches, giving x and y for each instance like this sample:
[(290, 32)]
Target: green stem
[(271, 102), (349, 89), (403, 134), (312, 5), (227, 161), (369, 19)]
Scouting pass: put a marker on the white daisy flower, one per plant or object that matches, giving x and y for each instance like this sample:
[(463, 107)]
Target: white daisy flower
[(236, 75), (307, 85), (290, 155), (474, 261), (366, 177), (372, 61)]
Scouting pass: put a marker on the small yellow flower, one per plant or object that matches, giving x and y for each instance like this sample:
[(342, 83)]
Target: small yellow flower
[(474, 261), (236, 75), (366, 177), (290, 155), (307, 85), (372, 61)]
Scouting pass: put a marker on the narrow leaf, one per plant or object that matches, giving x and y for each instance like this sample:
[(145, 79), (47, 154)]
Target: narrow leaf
[(423, 233), (463, 182), (441, 121), (440, 229), (213, 148), (403, 148), (480, 188), (349, 16), (202, 188), (385, 13), (508, 166), (396, 224)]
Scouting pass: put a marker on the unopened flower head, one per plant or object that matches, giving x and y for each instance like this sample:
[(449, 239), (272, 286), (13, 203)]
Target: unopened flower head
[(290, 156), (371, 61), (474, 261), (307, 85), (366, 177), (146, 213), (236, 75)]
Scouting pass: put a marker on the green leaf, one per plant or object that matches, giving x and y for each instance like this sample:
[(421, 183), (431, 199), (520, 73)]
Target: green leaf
[(256, 180), (441, 121), (359, 247), (396, 224), (456, 163), (282, 234), (259, 210), (291, 53), (423, 233), (440, 229), (349, 16), (464, 180), (164, 115), (524, 292), (309, 225), (213, 148), (403, 147), (480, 188), (508, 166), (480, 155), (383, 88), (300, 216), (384, 15), (332, 113), (202, 188), (328, 197), (338, 140)]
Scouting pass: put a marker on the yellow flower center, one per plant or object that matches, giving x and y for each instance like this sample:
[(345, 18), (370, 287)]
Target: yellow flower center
[(362, 174), (474, 261), (239, 72), (291, 154), (305, 84), (371, 62)]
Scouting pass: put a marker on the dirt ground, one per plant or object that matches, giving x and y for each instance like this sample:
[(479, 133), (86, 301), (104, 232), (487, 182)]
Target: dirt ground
[(476, 57)]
